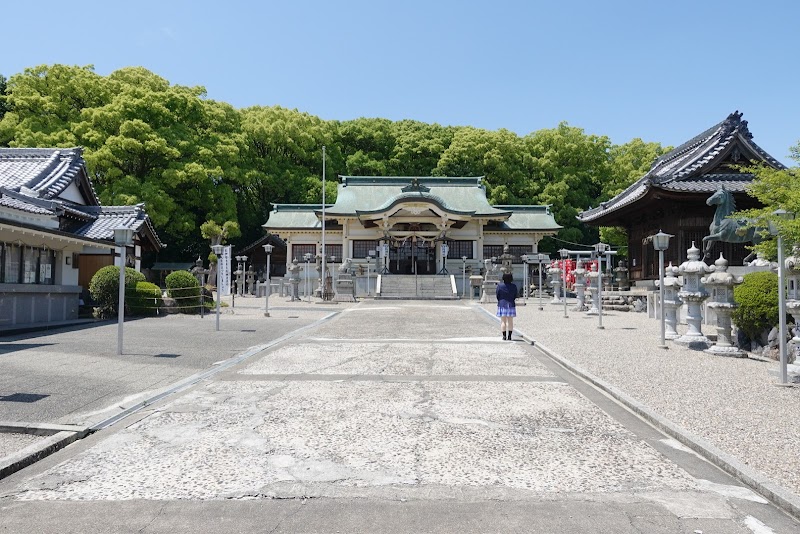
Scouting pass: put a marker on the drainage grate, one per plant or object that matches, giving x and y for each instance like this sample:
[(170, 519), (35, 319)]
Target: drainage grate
[(248, 330), (166, 355), (23, 397)]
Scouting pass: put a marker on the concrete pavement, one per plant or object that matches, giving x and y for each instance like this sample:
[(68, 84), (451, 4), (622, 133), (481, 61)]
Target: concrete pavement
[(406, 417)]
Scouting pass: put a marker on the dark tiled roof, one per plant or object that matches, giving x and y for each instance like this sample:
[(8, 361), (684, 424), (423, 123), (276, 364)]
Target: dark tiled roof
[(107, 218), (691, 166), (45, 171), (16, 203)]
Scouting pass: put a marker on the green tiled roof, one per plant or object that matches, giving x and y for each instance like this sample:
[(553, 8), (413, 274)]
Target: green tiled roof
[(528, 218), (364, 194), (371, 193)]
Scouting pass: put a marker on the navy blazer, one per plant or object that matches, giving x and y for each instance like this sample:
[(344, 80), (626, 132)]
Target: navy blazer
[(506, 294)]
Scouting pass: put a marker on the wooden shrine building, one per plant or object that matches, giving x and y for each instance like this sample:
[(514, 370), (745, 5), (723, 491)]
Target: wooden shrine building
[(672, 196)]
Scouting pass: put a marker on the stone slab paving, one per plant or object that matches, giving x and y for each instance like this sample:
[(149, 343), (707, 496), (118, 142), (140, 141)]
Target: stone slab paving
[(731, 402), (517, 433), (11, 442)]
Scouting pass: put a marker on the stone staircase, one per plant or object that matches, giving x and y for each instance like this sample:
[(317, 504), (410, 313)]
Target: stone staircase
[(425, 287)]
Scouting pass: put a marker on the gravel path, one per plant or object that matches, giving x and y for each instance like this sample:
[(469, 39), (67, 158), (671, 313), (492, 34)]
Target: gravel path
[(733, 403)]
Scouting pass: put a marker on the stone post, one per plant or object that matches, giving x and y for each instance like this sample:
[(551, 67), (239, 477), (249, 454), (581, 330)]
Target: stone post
[(792, 272), (294, 279), (621, 276), (671, 301), (555, 281), (693, 294), (251, 281), (580, 286), (591, 280), (721, 283)]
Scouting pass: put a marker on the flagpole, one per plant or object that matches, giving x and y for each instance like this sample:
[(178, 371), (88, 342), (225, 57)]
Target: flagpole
[(324, 259)]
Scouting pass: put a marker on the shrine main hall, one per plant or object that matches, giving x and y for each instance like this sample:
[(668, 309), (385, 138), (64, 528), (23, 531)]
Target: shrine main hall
[(411, 225)]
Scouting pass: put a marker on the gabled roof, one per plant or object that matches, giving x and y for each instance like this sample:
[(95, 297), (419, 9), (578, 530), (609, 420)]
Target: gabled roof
[(700, 165), (45, 172), (31, 180), (107, 218), (367, 194), (526, 218)]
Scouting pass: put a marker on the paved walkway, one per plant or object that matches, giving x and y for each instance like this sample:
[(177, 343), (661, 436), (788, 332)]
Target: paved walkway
[(401, 417)]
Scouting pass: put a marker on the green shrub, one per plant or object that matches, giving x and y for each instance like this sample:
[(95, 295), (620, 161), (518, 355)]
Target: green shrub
[(757, 297), (145, 299), (104, 289), (185, 289)]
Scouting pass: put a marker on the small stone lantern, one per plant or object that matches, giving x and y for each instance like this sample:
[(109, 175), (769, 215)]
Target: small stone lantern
[(555, 272), (580, 285), (591, 281), (792, 264), (693, 294), (671, 301), (721, 284), (621, 277)]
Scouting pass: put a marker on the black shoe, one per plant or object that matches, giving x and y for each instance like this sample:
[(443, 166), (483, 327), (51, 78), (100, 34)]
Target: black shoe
[(504, 336), (509, 336)]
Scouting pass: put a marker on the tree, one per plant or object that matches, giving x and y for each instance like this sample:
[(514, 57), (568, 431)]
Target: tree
[(217, 234), (776, 190), (569, 169), (628, 163)]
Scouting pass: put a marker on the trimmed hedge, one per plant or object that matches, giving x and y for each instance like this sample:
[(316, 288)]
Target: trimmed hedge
[(185, 289), (757, 297), (104, 289), (145, 299)]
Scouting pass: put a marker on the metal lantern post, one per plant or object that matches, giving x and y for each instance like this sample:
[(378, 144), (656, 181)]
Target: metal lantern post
[(661, 243), (268, 250), (524, 259), (370, 256), (307, 257), (774, 229), (122, 238), (600, 249), (218, 253), (564, 255), (541, 258), (463, 276)]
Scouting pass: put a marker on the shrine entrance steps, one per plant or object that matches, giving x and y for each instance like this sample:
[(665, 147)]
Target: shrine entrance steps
[(420, 287)]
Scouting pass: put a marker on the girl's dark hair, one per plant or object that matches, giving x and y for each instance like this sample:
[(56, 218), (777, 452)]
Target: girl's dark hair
[(507, 278)]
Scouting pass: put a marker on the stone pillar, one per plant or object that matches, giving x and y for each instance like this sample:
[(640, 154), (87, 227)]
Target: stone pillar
[(580, 286), (591, 281), (294, 279), (555, 281), (251, 281), (671, 301), (693, 294), (720, 283)]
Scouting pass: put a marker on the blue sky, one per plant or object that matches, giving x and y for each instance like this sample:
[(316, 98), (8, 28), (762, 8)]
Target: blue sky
[(662, 71)]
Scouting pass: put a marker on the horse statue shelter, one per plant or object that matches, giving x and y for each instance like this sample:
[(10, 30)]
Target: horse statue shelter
[(688, 192)]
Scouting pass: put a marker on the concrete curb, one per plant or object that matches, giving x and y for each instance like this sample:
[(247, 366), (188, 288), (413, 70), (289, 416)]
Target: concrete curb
[(33, 453)]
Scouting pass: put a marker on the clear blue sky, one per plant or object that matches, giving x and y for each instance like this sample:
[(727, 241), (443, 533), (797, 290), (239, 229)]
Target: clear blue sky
[(662, 71)]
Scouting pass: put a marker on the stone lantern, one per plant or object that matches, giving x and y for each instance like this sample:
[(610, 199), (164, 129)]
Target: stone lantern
[(555, 272), (621, 277), (721, 284), (693, 294), (671, 301), (591, 280), (580, 285), (506, 261), (792, 264)]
